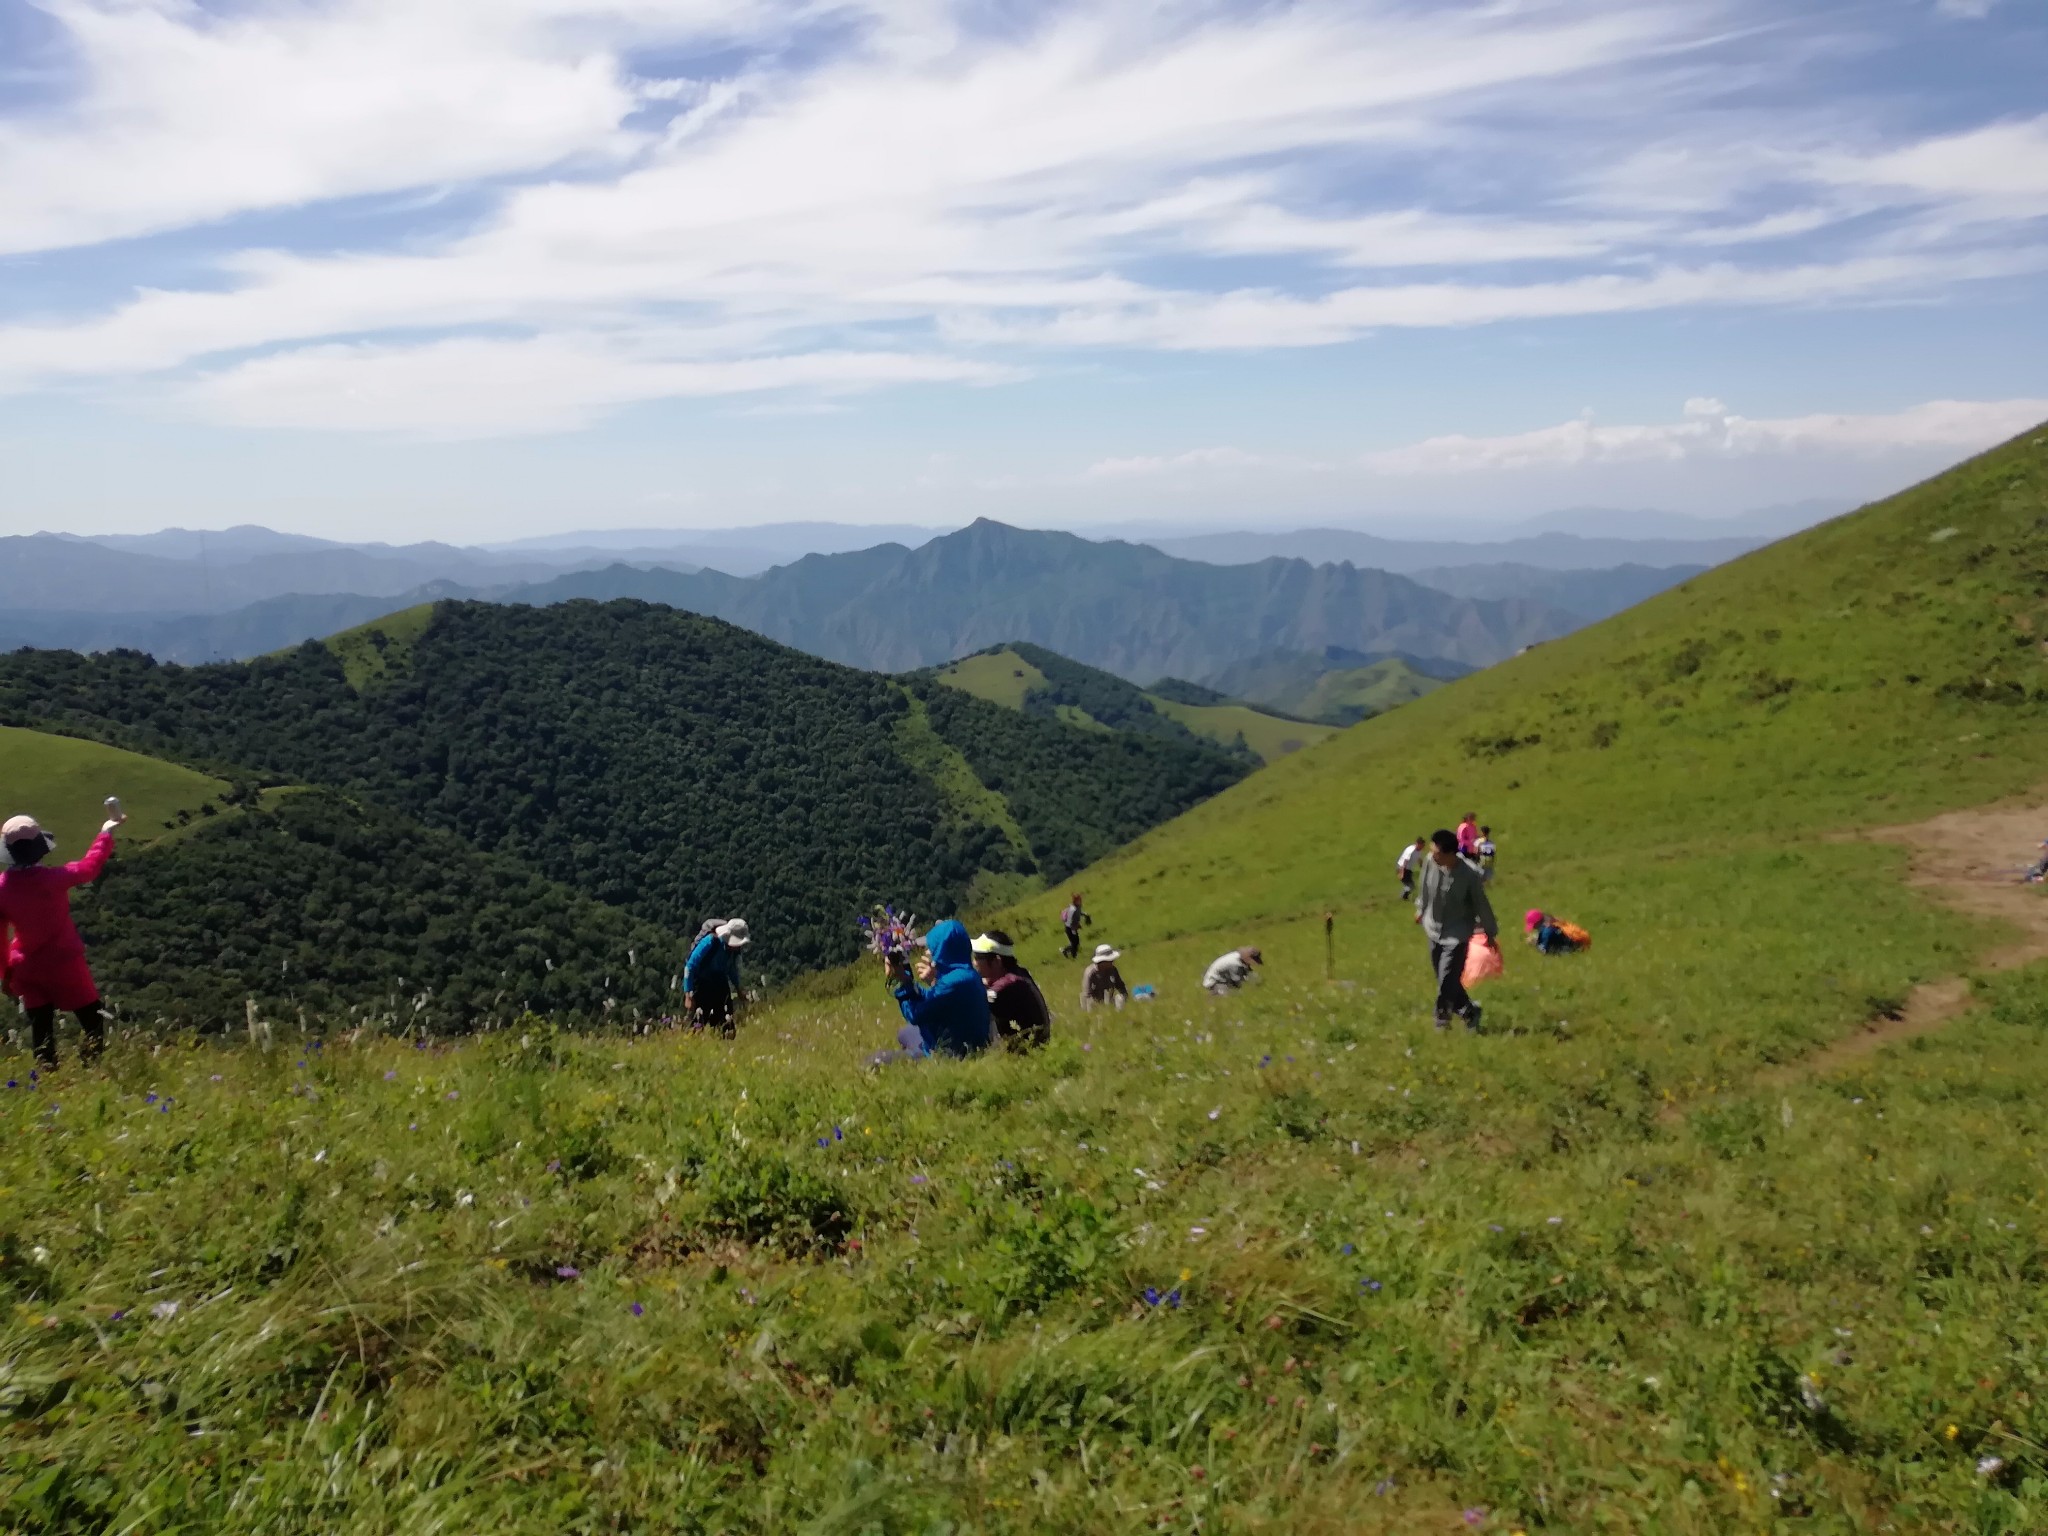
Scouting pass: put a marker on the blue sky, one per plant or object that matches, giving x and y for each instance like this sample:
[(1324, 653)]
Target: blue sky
[(427, 268)]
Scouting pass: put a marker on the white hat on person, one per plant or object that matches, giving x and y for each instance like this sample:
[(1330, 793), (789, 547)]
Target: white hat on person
[(734, 933), (1104, 954), (20, 829)]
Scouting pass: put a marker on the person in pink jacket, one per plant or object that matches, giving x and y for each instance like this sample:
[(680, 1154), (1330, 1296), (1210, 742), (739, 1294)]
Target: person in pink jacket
[(46, 966)]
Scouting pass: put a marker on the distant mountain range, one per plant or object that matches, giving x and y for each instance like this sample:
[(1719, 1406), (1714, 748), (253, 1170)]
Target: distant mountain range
[(1191, 608)]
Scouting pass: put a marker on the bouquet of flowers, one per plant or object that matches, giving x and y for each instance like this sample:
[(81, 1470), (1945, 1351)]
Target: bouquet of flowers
[(889, 932)]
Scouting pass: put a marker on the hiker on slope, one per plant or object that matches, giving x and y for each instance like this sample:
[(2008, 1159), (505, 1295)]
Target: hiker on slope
[(1016, 1007), (1072, 919), (1231, 970), (1411, 860), (1102, 982), (711, 977), (46, 966), (1451, 905)]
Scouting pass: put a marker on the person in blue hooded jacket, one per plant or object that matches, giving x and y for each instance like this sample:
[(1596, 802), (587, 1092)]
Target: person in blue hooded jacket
[(949, 1015)]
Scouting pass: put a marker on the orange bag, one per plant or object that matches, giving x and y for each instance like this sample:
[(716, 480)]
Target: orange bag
[(1576, 934), (1482, 961)]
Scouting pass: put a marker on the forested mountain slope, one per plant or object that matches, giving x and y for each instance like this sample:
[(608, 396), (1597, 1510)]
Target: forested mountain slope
[(664, 764), (1044, 683)]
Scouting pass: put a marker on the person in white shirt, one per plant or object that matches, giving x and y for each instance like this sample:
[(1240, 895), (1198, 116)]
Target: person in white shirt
[(1228, 972), (1411, 860)]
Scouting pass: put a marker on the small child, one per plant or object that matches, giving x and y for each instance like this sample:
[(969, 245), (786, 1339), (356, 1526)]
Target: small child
[(1486, 853), (46, 966), (1409, 862)]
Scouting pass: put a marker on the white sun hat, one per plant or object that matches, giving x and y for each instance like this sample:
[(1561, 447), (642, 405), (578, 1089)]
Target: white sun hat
[(1103, 954), (735, 933)]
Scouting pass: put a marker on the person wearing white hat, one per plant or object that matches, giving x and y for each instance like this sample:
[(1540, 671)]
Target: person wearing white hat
[(46, 966), (1102, 982), (1016, 1007), (1231, 970), (711, 977)]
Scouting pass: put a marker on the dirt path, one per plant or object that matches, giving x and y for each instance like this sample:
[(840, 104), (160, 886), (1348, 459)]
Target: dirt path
[(1967, 860)]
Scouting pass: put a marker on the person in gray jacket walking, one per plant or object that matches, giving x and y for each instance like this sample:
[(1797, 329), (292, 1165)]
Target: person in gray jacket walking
[(1451, 904)]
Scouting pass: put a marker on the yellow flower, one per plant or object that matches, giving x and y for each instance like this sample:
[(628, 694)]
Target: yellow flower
[(1951, 1432), (1186, 1275)]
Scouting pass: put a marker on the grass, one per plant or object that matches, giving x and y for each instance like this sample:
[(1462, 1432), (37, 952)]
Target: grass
[(1002, 677), (1355, 693), (1288, 1262), (1269, 736), (381, 648), (63, 782)]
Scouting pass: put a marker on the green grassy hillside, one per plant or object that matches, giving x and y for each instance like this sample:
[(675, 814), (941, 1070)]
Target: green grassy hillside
[(62, 782), (1336, 689), (1640, 1258), (1037, 681)]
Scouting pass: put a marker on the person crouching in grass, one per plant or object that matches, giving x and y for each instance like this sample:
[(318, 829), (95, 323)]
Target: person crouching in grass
[(1018, 1009), (46, 966)]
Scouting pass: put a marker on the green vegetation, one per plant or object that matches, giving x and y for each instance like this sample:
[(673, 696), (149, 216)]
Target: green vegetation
[(1339, 690), (1290, 1261), (62, 782), (1040, 682), (1268, 737), (667, 765), (382, 648), (313, 905)]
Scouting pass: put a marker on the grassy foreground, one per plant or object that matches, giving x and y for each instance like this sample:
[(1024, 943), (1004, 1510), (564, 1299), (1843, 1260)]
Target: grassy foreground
[(1292, 1262)]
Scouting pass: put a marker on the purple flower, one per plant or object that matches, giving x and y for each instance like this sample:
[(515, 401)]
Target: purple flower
[(118, 1315), (917, 1178), (164, 1108), (567, 1272), (390, 1077), (1383, 1487), (302, 1061), (1151, 1296), (1347, 1250), (1173, 1297), (149, 1098), (451, 1094), (554, 1165), (638, 1310), (1475, 1515), (837, 1134), (12, 1083), (823, 1142), (1369, 1284), (216, 1077), (414, 1126), (1493, 1226)]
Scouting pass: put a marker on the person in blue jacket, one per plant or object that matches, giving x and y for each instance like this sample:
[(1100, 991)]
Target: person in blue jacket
[(948, 1015), (711, 977)]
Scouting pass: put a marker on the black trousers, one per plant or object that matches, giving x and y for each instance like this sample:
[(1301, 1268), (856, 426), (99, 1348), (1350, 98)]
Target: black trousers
[(1447, 960), (42, 1023), (714, 1010), (1073, 949)]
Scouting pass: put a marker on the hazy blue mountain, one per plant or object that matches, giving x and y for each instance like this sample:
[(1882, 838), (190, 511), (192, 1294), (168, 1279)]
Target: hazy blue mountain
[(1590, 594), (1543, 551), (1127, 608), (1772, 522)]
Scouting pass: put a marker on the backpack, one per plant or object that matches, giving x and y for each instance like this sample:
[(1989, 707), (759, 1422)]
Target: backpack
[(1068, 916), (1576, 934)]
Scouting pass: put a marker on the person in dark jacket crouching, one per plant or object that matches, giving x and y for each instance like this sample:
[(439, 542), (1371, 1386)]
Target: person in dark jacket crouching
[(1016, 1006)]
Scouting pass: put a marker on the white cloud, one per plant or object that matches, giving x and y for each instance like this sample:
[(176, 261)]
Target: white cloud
[(905, 180), (1708, 430), (1965, 10), (476, 386)]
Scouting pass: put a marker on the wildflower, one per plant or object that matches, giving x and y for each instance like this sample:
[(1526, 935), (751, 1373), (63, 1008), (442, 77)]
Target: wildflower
[(1383, 1487), (1491, 1226), (823, 1142), (1554, 1221), (215, 1078), (414, 1126), (1214, 1114), (149, 1098), (554, 1165), (390, 1077), (838, 1134), (320, 1156), (451, 1094), (1990, 1466), (1370, 1285), (1809, 1393), (164, 1309), (164, 1108), (917, 1178), (638, 1310), (12, 1083), (1197, 1473), (1151, 1296), (1266, 1060), (1195, 1234), (123, 1312), (1186, 1275), (1173, 1297), (567, 1272), (1346, 1250), (1951, 1432), (1476, 1515)]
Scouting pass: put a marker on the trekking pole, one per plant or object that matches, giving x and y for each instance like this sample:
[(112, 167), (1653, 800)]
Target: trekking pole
[(1329, 946)]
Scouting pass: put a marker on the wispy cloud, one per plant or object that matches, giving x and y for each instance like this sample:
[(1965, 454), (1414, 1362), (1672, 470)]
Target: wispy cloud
[(852, 181), (1709, 430), (1140, 465)]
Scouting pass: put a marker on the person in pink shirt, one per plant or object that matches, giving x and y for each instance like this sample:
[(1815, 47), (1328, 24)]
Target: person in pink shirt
[(46, 966), (1468, 836)]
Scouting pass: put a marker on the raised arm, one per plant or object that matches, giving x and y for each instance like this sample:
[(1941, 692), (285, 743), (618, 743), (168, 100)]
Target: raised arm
[(86, 870)]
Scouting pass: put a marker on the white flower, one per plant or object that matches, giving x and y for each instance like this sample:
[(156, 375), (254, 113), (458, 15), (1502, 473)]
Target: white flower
[(1990, 1466), (40, 1254), (320, 1156), (1215, 1114), (464, 1198), (164, 1309)]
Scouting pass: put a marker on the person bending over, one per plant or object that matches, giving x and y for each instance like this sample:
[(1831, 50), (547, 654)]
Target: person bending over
[(46, 966), (711, 978), (1231, 970), (1102, 982)]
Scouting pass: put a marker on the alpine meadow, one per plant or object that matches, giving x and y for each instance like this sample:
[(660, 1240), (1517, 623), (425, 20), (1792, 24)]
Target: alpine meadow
[(1731, 1222)]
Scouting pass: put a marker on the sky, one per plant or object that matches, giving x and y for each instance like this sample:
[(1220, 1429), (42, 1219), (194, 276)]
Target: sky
[(401, 269)]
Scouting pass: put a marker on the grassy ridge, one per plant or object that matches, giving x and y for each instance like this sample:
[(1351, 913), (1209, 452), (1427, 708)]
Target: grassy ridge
[(1287, 1262), (63, 781)]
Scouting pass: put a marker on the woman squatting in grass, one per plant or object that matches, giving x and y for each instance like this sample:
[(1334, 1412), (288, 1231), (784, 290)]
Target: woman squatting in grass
[(46, 967)]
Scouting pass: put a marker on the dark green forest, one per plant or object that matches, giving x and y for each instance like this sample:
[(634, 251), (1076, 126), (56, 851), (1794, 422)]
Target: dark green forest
[(312, 902), (664, 764)]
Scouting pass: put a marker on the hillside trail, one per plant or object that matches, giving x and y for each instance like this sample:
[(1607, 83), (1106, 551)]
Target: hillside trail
[(1967, 860)]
